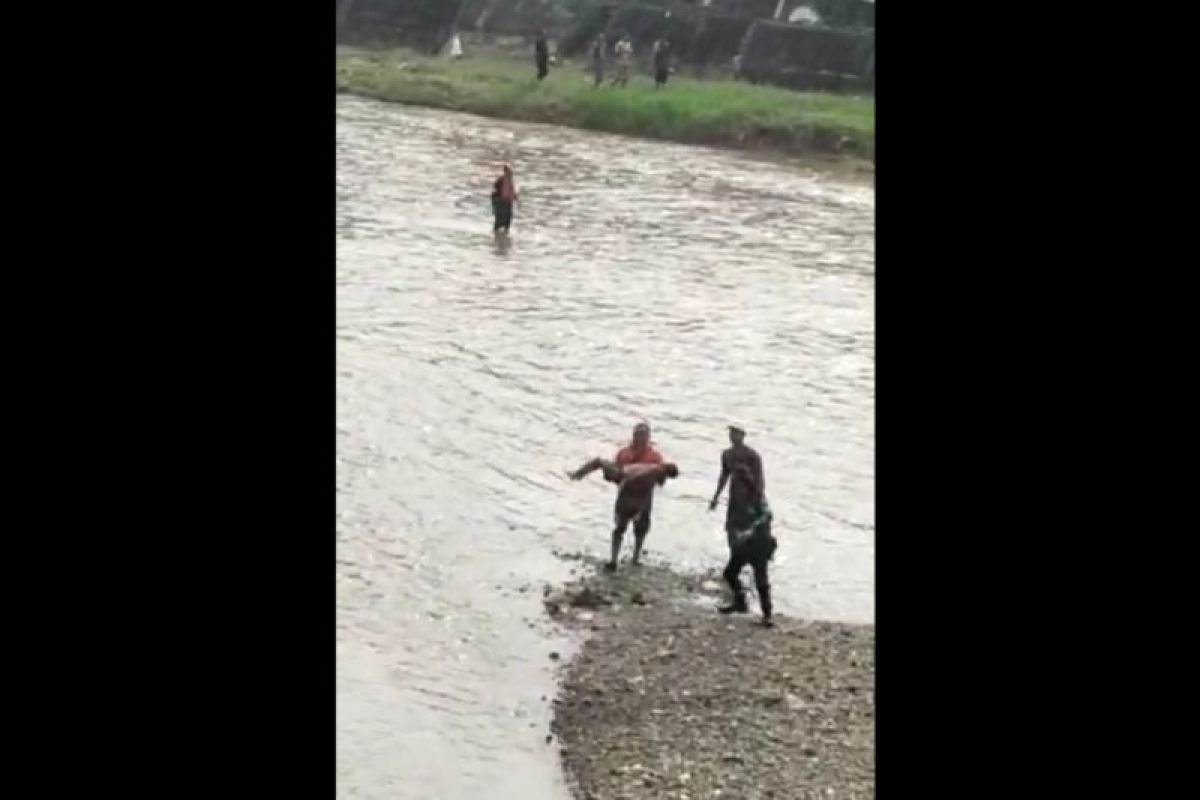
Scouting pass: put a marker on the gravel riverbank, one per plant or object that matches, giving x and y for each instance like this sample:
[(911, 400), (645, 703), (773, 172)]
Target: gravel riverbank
[(668, 699)]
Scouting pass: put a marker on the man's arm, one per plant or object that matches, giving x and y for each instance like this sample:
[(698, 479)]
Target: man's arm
[(637, 476), (759, 480), (720, 483)]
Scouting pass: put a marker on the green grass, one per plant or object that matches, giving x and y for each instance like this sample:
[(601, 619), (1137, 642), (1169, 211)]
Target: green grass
[(718, 112)]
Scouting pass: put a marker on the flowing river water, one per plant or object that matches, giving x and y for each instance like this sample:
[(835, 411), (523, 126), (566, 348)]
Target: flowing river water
[(685, 286)]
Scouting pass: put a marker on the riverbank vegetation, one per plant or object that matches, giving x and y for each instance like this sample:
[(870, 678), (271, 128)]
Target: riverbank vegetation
[(720, 112)]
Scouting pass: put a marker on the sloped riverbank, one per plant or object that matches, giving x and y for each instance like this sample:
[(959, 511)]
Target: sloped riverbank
[(722, 113)]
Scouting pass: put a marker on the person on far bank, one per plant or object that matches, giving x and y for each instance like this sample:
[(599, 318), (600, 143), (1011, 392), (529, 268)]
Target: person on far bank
[(504, 195), (753, 545), (737, 515), (541, 55), (623, 50), (456, 48), (598, 59), (662, 63)]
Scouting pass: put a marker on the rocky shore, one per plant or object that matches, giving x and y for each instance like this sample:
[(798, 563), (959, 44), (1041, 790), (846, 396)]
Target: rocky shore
[(668, 699)]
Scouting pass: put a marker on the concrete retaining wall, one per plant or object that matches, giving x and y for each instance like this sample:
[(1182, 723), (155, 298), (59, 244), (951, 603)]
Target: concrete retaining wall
[(515, 17), (806, 57), (422, 24), (719, 40)]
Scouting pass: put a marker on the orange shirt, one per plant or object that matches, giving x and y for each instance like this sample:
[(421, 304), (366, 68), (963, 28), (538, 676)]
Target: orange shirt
[(647, 455)]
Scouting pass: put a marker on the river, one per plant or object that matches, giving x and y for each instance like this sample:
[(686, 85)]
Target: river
[(685, 286)]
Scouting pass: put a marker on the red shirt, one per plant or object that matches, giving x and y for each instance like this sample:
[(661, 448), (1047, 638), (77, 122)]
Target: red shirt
[(647, 455)]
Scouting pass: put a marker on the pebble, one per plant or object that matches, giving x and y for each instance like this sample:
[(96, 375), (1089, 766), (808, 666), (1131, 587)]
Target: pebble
[(554, 655)]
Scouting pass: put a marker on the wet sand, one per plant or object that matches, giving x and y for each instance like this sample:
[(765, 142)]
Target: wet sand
[(667, 698)]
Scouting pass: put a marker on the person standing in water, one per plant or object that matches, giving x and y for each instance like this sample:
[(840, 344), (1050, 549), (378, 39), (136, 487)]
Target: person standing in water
[(635, 493), (598, 59), (737, 517), (638, 507), (753, 545), (504, 194), (541, 55)]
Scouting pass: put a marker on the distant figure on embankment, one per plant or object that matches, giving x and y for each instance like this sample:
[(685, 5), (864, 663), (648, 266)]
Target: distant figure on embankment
[(454, 47), (623, 50), (541, 55), (662, 63), (504, 195), (598, 60)]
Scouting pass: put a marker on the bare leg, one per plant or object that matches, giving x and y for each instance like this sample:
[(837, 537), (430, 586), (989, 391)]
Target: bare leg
[(618, 535), (593, 465), (641, 527)]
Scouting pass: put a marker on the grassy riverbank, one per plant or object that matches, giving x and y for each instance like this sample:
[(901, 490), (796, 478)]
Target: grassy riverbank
[(714, 112)]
